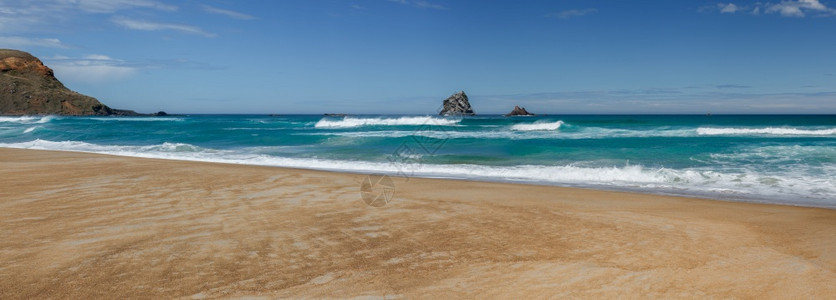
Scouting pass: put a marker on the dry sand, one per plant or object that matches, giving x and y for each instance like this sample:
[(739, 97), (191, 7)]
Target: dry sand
[(76, 226)]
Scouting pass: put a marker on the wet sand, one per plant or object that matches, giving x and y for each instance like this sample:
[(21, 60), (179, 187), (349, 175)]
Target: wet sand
[(76, 225)]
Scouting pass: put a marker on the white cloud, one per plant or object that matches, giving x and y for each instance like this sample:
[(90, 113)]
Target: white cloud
[(228, 13), (812, 4), (17, 16), (425, 4), (420, 4), (728, 8), (24, 42), (20, 16), (785, 8), (111, 6), (573, 13), (99, 57), (153, 26), (94, 68), (797, 8)]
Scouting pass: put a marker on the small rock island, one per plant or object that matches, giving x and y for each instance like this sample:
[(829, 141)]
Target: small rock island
[(28, 87), (519, 111), (457, 105)]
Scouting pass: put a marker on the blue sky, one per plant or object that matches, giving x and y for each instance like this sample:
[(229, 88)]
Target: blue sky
[(405, 56)]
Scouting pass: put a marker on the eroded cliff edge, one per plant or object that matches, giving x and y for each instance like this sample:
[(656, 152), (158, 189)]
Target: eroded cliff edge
[(28, 87)]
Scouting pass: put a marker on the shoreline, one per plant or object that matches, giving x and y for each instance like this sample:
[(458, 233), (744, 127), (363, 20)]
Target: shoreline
[(81, 225), (755, 199)]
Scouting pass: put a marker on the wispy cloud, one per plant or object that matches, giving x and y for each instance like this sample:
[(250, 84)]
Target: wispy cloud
[(26, 17), (181, 63), (111, 6), (29, 16), (228, 13), (572, 13), (728, 8), (24, 42), (420, 4), (732, 86), (797, 8), (154, 26), (20, 16), (94, 68), (785, 8), (425, 4)]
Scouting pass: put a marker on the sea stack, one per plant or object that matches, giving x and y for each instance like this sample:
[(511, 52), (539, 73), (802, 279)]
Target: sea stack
[(28, 87), (519, 111), (457, 105)]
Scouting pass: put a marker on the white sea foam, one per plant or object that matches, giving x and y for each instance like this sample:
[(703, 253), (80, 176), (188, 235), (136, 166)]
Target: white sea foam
[(108, 149), (349, 122), (136, 119), (785, 154), (30, 129), (537, 126), (507, 133), (800, 186), (548, 130), (27, 119), (764, 131)]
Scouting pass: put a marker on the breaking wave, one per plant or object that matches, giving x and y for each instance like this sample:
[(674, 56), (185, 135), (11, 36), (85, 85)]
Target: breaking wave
[(27, 119), (537, 126), (765, 131), (350, 122), (728, 184), (136, 119)]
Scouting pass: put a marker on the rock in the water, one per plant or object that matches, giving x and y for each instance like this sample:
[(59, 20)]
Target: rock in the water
[(456, 105), (28, 87), (519, 111)]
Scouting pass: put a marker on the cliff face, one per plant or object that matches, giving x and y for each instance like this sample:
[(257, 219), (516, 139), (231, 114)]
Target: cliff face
[(28, 87), (457, 104)]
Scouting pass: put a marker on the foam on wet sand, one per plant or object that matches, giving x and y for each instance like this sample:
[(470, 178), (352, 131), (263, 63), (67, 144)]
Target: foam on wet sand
[(78, 225)]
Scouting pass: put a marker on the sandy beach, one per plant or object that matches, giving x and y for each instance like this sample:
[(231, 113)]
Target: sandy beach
[(77, 225)]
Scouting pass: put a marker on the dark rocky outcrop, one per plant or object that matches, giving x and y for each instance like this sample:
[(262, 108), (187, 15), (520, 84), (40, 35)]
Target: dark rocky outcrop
[(28, 87), (519, 111), (457, 105)]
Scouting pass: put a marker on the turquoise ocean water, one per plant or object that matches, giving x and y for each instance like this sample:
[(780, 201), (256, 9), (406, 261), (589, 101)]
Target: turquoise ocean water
[(788, 159)]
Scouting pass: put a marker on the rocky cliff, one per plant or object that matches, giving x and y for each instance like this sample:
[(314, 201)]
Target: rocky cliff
[(457, 104), (28, 87), (519, 111)]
